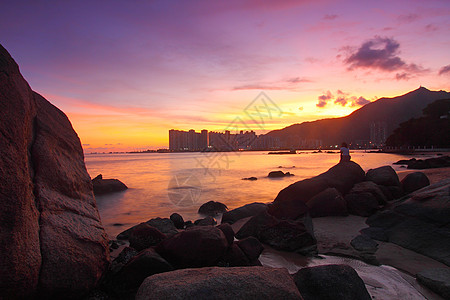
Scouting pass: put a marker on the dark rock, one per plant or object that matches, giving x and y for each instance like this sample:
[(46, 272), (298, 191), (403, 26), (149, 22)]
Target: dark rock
[(372, 188), (430, 204), (251, 247), (113, 245), (220, 283), (422, 237), (165, 225), (276, 174), (327, 203), (245, 211), (435, 162), (188, 224), (287, 235), (337, 282), (364, 243), (383, 176), (414, 181), (437, 280), (385, 219), (361, 204), (144, 236), (250, 178), (177, 220), (125, 256), (375, 233), (146, 263), (106, 186), (198, 246), (51, 231), (212, 208), (234, 257), (290, 201), (208, 221), (404, 161), (227, 231)]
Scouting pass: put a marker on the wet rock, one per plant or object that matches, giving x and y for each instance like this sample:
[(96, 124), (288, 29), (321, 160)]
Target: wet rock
[(327, 203), (250, 178), (146, 263), (419, 221), (106, 186), (290, 201), (177, 220), (220, 283), (375, 233), (385, 175), (288, 235), (372, 188), (198, 246), (208, 221), (164, 225), (362, 204), (144, 236), (437, 280), (337, 282), (251, 247), (245, 211), (212, 208), (276, 174), (227, 231), (434, 162), (364, 243), (414, 181), (234, 257), (50, 227)]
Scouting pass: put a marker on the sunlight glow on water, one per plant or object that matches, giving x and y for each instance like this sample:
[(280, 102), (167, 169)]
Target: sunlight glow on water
[(212, 176)]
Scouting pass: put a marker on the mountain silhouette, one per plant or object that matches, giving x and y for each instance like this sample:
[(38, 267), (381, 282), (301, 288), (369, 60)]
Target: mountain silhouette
[(356, 127)]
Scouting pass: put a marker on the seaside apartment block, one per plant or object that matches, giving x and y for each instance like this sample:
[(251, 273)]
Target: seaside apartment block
[(219, 141)]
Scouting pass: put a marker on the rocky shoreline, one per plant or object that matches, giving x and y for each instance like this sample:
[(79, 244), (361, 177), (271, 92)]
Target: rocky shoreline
[(303, 224)]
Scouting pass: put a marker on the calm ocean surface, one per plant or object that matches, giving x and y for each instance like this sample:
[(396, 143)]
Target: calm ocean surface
[(163, 183)]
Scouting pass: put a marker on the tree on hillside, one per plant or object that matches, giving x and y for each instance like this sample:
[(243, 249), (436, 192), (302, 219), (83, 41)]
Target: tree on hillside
[(433, 129)]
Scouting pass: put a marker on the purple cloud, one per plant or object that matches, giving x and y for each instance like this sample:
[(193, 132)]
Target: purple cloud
[(330, 17), (382, 54), (323, 99), (343, 99), (360, 101), (444, 69), (379, 53)]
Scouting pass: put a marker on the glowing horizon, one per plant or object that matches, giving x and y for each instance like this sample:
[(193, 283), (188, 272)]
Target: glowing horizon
[(129, 73)]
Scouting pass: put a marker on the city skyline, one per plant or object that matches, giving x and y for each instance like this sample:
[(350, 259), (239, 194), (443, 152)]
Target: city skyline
[(125, 73)]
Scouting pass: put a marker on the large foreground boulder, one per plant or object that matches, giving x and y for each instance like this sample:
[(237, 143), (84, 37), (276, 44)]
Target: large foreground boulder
[(220, 283), (337, 282), (290, 201), (52, 242)]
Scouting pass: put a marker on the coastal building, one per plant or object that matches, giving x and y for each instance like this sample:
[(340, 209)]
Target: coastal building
[(220, 141), (378, 133)]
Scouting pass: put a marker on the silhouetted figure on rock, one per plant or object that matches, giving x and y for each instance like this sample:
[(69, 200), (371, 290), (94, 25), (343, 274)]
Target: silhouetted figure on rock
[(345, 152)]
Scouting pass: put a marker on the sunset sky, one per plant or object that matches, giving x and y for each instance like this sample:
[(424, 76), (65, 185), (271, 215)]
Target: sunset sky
[(125, 72)]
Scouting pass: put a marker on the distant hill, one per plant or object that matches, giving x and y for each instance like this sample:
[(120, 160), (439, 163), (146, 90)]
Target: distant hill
[(383, 115)]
